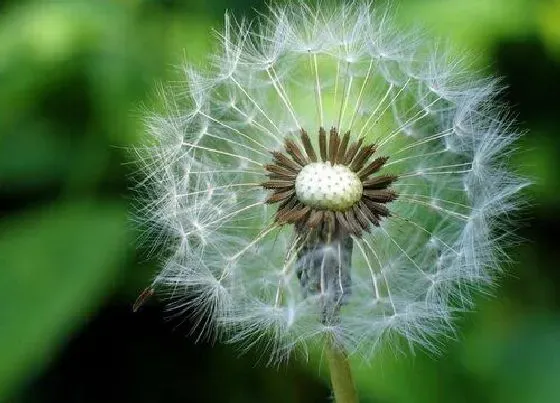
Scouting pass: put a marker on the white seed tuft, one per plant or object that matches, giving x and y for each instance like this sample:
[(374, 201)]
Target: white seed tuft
[(351, 67)]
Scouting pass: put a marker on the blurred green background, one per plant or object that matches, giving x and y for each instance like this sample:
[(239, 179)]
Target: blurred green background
[(73, 78)]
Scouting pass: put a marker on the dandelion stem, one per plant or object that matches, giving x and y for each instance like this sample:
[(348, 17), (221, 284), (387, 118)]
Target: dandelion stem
[(323, 267), (341, 374)]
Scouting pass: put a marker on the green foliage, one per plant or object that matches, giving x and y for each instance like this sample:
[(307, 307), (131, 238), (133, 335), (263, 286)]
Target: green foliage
[(74, 76), (476, 24), (57, 263)]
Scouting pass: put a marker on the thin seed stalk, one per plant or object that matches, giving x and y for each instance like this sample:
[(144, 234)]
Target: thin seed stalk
[(342, 382), (329, 272)]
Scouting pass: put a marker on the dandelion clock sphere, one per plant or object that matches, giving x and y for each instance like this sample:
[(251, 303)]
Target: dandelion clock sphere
[(327, 178)]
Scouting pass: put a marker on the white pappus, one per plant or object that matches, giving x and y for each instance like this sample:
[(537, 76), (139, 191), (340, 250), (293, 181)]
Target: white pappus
[(419, 141)]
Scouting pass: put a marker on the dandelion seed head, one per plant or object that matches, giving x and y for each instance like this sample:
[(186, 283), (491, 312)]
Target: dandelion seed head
[(328, 173)]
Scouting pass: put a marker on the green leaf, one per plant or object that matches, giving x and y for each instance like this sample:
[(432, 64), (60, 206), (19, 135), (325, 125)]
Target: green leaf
[(474, 24), (55, 265)]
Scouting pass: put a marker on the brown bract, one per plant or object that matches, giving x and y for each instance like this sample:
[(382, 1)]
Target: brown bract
[(356, 219)]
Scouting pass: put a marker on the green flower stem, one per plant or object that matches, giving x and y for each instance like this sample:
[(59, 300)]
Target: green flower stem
[(341, 374)]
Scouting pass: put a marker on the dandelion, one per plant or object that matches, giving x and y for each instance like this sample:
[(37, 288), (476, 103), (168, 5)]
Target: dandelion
[(327, 179)]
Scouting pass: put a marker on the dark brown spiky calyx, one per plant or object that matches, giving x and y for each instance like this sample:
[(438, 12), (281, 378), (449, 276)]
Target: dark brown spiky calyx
[(356, 219)]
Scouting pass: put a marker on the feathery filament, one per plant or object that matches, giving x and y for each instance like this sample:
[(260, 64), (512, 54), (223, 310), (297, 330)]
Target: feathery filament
[(382, 226)]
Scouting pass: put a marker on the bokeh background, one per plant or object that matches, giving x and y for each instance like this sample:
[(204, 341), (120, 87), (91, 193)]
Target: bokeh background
[(74, 76)]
